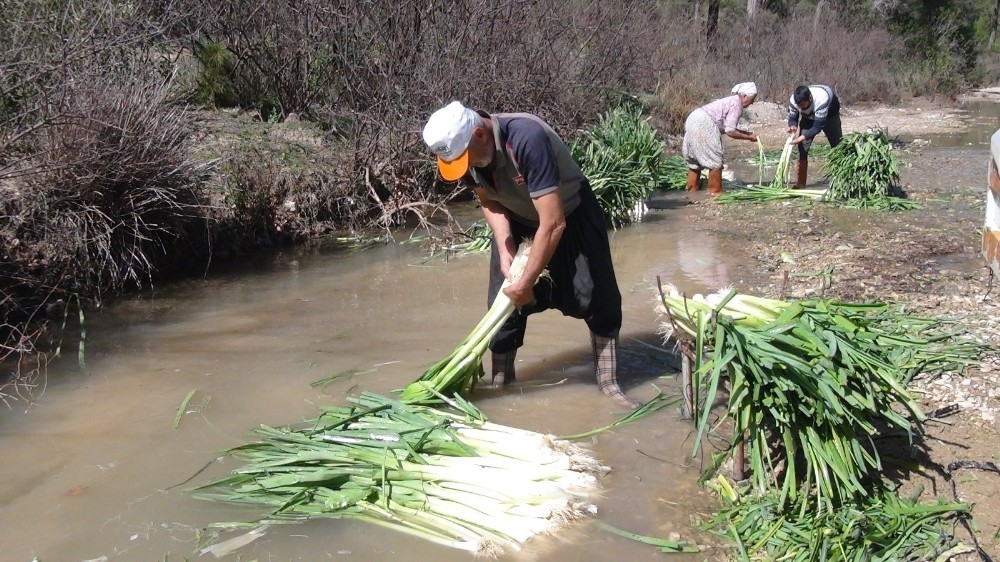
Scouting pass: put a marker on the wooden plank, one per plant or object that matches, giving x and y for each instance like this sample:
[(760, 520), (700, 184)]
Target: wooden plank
[(687, 389)]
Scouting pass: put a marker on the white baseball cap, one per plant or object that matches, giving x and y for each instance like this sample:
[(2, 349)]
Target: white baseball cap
[(447, 133)]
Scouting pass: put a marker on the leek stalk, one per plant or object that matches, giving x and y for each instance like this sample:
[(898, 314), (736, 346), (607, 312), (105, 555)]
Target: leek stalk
[(459, 372)]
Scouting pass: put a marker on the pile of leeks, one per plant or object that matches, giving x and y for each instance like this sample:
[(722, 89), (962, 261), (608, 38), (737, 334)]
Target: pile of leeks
[(778, 188), (862, 170), (811, 386), (451, 478)]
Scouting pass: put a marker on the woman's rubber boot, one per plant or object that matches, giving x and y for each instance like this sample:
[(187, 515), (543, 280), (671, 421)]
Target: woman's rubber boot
[(694, 180), (803, 171), (503, 369), (715, 182), (606, 369)]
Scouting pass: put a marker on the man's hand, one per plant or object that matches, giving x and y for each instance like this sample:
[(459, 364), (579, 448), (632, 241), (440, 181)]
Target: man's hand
[(791, 129), (520, 294), (753, 137), (798, 139)]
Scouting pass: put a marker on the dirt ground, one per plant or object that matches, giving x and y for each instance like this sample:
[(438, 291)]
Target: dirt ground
[(912, 119), (927, 259)]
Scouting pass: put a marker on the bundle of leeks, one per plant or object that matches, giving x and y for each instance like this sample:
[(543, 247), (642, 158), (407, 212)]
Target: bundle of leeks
[(451, 478), (880, 526), (459, 372), (811, 383)]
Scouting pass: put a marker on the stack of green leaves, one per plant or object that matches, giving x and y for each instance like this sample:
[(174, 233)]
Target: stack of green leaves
[(475, 239), (621, 156), (757, 193), (880, 527), (673, 172), (862, 171), (453, 479), (811, 384), (862, 166)]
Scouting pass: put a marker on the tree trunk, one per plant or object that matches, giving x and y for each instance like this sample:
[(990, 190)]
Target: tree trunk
[(819, 9), (712, 25), (993, 27), (753, 8)]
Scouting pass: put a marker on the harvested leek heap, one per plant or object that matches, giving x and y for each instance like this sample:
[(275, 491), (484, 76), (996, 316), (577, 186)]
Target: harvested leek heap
[(811, 384), (881, 526), (756, 193), (673, 172), (863, 173), (453, 479), (778, 188), (621, 158), (459, 372)]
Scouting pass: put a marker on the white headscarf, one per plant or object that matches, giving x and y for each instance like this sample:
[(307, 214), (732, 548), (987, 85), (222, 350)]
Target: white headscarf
[(745, 88)]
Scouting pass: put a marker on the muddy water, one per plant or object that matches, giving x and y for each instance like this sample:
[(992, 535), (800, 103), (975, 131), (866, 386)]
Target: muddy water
[(91, 471), (983, 120)]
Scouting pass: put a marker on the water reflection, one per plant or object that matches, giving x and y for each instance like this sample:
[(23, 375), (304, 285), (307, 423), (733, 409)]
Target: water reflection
[(701, 263), (983, 120)]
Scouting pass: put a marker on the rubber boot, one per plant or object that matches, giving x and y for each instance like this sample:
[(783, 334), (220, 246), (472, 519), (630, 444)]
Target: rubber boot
[(803, 171), (606, 369), (503, 369), (715, 182), (694, 180)]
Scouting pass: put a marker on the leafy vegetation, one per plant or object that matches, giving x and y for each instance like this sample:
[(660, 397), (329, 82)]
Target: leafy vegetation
[(451, 478), (621, 156), (812, 385), (862, 166)]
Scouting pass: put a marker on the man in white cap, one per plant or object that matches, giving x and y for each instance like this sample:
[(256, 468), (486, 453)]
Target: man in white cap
[(703, 130), (529, 186)]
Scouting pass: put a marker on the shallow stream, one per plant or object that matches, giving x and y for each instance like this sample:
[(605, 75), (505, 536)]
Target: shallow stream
[(91, 470)]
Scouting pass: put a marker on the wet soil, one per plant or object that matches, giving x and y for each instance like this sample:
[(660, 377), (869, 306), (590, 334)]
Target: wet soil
[(927, 259)]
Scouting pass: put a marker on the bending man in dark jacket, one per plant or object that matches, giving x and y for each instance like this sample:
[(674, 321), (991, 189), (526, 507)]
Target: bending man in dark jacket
[(529, 186), (813, 109)]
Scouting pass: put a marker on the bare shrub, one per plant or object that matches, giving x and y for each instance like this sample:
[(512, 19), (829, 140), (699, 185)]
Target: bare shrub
[(280, 56), (857, 60), (22, 365), (254, 188), (109, 187), (373, 70), (98, 190)]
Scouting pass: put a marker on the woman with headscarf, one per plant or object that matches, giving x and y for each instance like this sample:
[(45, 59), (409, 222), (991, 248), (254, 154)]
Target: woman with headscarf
[(703, 131)]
